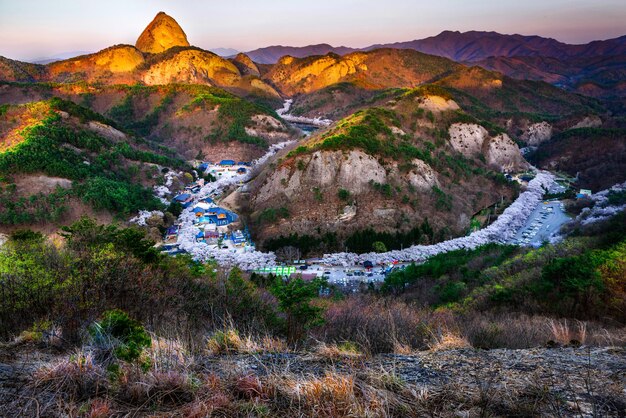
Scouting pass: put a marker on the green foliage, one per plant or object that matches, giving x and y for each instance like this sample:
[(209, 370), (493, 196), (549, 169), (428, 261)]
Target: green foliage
[(271, 215), (117, 196), (317, 194), (235, 115), (85, 233), (294, 299), (343, 194), (451, 270), (36, 208), (128, 337), (361, 241), (443, 202), (379, 247), (93, 162), (368, 132), (298, 151), (305, 243), (84, 114)]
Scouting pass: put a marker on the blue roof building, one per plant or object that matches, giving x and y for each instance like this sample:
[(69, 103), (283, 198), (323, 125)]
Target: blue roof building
[(184, 199), (217, 216), (203, 167), (241, 170), (227, 163)]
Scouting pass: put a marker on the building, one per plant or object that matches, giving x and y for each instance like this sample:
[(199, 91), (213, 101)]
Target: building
[(172, 232), (184, 199), (238, 238), (583, 194), (202, 168), (241, 170), (217, 216), (208, 236), (227, 163)]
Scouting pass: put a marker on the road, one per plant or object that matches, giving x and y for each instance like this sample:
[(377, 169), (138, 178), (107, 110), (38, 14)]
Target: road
[(544, 222)]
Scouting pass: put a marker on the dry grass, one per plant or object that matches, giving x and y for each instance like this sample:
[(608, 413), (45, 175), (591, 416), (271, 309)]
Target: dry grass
[(229, 341), (78, 377), (448, 340), (346, 351), (565, 334)]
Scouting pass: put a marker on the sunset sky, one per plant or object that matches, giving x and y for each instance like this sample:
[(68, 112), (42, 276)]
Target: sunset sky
[(31, 29)]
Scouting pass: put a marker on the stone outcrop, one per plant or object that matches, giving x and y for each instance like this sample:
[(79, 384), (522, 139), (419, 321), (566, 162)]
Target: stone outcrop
[(437, 104), (467, 138), (193, 66), (246, 65), (537, 133), (422, 176), (500, 151), (352, 171), (588, 122), (161, 34)]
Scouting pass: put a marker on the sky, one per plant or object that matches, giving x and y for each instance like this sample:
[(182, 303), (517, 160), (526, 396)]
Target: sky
[(34, 29)]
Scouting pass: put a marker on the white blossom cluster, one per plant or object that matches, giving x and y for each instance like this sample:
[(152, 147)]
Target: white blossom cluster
[(144, 215), (602, 209), (284, 113), (504, 228)]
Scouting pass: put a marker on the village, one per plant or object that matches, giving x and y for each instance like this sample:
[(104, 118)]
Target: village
[(219, 228)]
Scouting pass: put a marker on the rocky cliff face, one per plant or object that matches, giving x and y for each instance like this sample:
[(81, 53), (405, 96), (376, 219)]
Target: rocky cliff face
[(537, 133), (194, 67), (161, 34), (473, 140)]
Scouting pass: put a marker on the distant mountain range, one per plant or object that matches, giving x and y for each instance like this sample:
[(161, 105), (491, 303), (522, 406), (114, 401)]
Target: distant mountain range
[(463, 47)]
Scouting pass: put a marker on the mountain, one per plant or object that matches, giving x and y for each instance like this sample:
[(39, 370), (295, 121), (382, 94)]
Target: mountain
[(462, 47), (224, 52), (384, 170), (162, 55), (161, 34), (59, 57), (600, 76), (271, 54), (477, 45), (369, 70), (60, 161)]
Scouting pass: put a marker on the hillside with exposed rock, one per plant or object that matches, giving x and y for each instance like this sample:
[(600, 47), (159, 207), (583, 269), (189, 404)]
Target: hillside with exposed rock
[(386, 168)]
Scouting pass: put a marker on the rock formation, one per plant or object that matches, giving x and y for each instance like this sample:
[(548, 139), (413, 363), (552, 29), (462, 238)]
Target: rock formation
[(500, 151), (537, 133), (161, 34)]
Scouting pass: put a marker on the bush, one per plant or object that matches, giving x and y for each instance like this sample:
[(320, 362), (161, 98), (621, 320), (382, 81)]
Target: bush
[(125, 336)]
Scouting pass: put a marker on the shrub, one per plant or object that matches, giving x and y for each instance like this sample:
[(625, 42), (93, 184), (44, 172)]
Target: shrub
[(379, 247), (126, 337), (343, 194)]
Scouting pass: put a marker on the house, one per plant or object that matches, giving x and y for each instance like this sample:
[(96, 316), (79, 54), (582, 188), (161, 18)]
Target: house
[(203, 167), (184, 199), (241, 170), (193, 188), (208, 236), (217, 216), (238, 238), (172, 232), (201, 208), (227, 163), (583, 194)]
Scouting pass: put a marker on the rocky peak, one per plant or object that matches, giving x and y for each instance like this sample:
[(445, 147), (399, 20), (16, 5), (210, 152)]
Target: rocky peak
[(161, 34), (246, 65)]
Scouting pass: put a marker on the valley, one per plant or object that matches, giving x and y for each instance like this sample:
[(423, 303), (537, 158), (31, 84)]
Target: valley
[(425, 228)]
